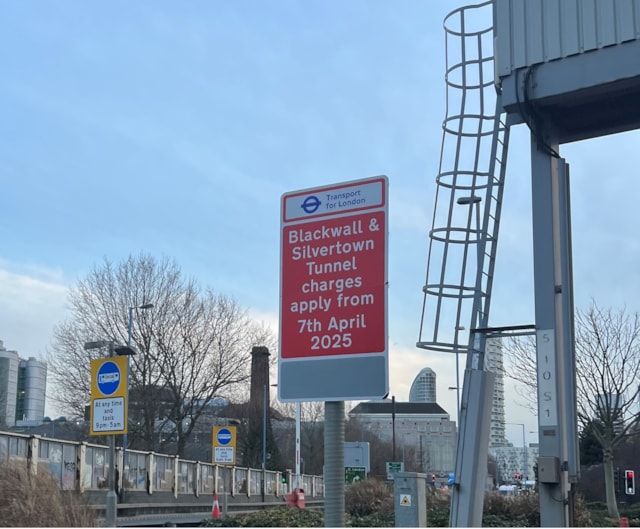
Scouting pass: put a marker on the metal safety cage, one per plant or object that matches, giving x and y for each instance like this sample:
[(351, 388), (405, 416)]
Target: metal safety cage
[(470, 183)]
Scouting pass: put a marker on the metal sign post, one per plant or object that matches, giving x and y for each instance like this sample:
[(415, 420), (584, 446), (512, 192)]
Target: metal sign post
[(333, 309), (109, 412)]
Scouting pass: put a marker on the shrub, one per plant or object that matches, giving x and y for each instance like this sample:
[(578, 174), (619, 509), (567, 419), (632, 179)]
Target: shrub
[(369, 497), (438, 516), (438, 499), (274, 517), (36, 500), (524, 511), (518, 511), (582, 514), (370, 503)]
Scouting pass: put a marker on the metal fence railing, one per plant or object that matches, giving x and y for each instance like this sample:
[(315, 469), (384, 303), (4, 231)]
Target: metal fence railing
[(85, 467)]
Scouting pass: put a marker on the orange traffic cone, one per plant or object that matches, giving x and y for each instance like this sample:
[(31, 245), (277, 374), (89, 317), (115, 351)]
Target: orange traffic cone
[(215, 511)]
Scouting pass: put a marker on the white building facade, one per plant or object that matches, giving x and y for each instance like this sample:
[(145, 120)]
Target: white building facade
[(423, 427), (22, 388)]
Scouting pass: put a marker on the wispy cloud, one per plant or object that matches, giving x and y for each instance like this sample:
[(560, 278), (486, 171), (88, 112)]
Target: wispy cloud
[(31, 304)]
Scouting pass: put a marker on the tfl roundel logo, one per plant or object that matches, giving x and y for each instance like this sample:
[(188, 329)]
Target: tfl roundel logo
[(224, 436), (311, 204)]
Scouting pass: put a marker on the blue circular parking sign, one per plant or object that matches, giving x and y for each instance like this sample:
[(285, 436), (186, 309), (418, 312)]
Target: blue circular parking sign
[(108, 378), (224, 436)]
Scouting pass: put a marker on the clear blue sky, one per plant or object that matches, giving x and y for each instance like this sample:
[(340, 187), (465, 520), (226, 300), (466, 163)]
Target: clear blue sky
[(173, 128)]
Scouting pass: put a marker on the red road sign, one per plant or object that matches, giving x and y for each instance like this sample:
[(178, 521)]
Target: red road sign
[(334, 273), (333, 286)]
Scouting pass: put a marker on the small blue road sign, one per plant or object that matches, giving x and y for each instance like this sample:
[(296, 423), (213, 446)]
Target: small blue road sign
[(224, 436), (108, 378)]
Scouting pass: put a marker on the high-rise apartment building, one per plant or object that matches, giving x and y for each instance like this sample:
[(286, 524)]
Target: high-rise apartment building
[(509, 459), (423, 388), (494, 363), (22, 387)]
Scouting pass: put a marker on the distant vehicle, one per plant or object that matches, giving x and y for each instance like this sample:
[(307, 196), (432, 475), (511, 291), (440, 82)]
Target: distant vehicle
[(509, 490)]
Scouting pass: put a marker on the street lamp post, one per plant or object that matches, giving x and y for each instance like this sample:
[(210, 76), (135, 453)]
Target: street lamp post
[(524, 448), (457, 387), (469, 201), (264, 430), (404, 442), (527, 452), (298, 444), (393, 427), (524, 454), (111, 512), (124, 436), (265, 403)]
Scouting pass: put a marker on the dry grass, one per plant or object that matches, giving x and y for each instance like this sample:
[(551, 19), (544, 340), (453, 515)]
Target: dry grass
[(37, 501)]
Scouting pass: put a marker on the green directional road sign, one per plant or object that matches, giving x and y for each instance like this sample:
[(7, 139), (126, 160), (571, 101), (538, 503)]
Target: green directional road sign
[(354, 474), (393, 467)]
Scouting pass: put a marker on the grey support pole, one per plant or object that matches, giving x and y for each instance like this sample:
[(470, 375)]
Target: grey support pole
[(111, 512), (569, 358), (334, 464), (470, 475), (554, 333)]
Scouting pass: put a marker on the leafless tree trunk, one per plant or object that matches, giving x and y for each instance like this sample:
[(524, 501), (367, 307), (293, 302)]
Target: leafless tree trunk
[(311, 437), (608, 378), (193, 345)]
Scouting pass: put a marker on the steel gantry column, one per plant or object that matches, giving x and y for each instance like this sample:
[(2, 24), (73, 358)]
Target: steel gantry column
[(558, 462)]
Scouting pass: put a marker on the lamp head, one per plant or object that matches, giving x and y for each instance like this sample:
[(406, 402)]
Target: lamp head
[(473, 199), (96, 345), (124, 350)]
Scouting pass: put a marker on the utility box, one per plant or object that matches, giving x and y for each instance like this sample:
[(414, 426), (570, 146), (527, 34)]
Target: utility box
[(548, 469), (410, 499)]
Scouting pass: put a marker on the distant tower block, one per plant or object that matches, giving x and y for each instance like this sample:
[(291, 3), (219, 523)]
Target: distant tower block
[(423, 388)]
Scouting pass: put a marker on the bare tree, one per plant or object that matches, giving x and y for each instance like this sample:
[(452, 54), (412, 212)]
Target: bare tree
[(193, 345), (608, 376), (311, 436)]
